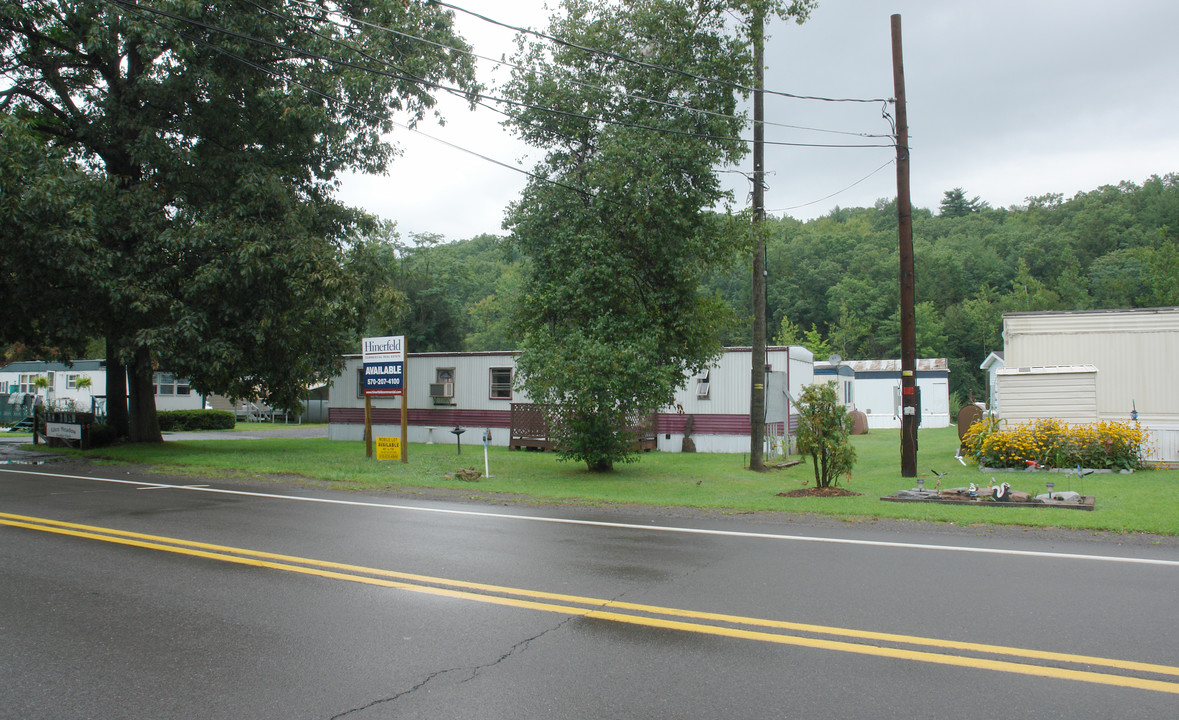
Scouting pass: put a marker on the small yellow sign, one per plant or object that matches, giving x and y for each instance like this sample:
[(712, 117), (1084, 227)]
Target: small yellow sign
[(388, 448)]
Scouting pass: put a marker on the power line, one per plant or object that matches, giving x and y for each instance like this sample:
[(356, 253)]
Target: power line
[(838, 192), (651, 66), (401, 75), (586, 85), (330, 97), (138, 10)]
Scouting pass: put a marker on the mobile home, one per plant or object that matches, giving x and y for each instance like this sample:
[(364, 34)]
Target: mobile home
[(1121, 369), (476, 392), (874, 388)]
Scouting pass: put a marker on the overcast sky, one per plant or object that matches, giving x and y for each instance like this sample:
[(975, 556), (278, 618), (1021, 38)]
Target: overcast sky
[(1005, 99)]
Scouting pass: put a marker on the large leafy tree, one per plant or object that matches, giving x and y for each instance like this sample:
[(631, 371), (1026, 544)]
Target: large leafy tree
[(212, 134), (43, 213), (616, 224)]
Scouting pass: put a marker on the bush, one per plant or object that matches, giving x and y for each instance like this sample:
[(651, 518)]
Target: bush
[(1054, 443), (171, 420), (824, 432), (102, 436)]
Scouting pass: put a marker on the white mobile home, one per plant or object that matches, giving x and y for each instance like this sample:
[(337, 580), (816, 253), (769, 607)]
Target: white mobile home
[(1131, 352), (874, 388), (18, 381), (477, 391)]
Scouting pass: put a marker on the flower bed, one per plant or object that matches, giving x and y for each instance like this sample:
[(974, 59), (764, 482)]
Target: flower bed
[(1052, 443)]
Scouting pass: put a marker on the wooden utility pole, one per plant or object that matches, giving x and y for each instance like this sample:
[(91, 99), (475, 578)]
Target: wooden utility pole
[(405, 415), (757, 396), (908, 291)]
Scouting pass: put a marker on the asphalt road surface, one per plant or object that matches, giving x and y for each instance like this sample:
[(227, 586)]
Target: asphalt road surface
[(124, 595)]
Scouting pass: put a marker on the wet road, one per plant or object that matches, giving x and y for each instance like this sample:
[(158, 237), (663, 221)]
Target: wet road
[(142, 596)]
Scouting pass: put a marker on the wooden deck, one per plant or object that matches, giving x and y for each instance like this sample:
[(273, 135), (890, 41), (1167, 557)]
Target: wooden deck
[(530, 429)]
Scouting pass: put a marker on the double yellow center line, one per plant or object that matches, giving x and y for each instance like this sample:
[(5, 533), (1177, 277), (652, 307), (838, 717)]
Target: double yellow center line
[(977, 656)]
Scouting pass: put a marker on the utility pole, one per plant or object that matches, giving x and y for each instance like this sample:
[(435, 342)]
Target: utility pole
[(757, 397), (908, 292)]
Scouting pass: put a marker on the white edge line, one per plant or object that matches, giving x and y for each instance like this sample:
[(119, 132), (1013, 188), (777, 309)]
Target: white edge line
[(626, 526)]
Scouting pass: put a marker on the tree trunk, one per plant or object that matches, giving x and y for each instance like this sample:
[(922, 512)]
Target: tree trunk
[(145, 424), (116, 390)]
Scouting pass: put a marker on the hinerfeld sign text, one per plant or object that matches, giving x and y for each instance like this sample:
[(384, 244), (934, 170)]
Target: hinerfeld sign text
[(384, 366)]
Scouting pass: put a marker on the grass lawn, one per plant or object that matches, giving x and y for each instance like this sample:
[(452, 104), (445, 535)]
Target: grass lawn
[(1144, 501)]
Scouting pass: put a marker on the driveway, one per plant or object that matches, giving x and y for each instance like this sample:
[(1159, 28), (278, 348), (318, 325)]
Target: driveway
[(253, 431)]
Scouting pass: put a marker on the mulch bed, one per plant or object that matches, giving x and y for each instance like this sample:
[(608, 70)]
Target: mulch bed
[(820, 492)]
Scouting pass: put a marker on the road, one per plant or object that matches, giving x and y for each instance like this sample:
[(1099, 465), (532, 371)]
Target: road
[(141, 596)]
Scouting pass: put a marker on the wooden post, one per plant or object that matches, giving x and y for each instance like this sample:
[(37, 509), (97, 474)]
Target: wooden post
[(757, 392), (404, 423), (368, 426), (908, 291)]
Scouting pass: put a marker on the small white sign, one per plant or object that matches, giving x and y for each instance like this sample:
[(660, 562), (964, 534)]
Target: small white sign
[(66, 431)]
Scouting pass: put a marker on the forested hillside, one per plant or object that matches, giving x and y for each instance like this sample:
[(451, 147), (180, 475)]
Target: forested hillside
[(833, 281)]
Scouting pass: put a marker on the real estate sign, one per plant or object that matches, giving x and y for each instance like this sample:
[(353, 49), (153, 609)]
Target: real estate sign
[(388, 448), (384, 366)]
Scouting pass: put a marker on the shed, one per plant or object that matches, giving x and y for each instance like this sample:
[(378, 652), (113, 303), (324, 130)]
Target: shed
[(991, 366)]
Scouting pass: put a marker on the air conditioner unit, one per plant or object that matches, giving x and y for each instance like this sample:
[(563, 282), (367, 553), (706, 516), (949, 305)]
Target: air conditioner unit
[(441, 390)]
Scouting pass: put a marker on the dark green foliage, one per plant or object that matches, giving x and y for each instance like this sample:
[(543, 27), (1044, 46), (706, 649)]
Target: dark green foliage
[(173, 420), (208, 141), (102, 435), (1114, 247), (619, 236), (833, 282)]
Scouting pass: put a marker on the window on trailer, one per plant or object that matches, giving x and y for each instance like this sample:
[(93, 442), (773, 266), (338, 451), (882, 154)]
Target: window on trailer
[(501, 384)]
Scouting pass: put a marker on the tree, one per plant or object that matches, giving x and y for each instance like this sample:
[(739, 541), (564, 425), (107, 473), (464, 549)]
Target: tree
[(811, 339), (211, 134), (47, 232), (615, 225), (955, 204), (824, 431)]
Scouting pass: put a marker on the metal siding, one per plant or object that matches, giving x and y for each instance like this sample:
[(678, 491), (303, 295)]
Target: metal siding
[(722, 420), (1133, 350), (1070, 396)]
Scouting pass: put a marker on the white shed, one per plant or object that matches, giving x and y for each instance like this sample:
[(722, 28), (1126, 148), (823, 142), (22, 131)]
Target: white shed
[(991, 366), (1133, 351)]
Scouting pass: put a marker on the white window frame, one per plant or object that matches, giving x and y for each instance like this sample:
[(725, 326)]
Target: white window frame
[(493, 386), (703, 386)]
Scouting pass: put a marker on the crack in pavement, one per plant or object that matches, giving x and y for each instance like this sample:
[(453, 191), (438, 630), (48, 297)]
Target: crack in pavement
[(474, 671)]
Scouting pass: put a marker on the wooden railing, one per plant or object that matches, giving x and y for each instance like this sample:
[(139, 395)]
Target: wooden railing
[(531, 428)]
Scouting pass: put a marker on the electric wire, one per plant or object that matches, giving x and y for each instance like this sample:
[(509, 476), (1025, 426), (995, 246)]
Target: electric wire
[(337, 100), (137, 9), (838, 192), (401, 75), (651, 66), (583, 84)]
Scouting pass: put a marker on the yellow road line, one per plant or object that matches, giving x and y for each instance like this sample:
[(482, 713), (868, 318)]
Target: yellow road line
[(602, 609)]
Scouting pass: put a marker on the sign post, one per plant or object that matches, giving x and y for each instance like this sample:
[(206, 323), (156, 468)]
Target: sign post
[(383, 360)]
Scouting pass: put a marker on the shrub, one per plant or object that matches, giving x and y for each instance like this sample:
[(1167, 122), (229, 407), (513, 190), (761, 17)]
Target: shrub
[(102, 435), (824, 431), (171, 420), (1054, 443)]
